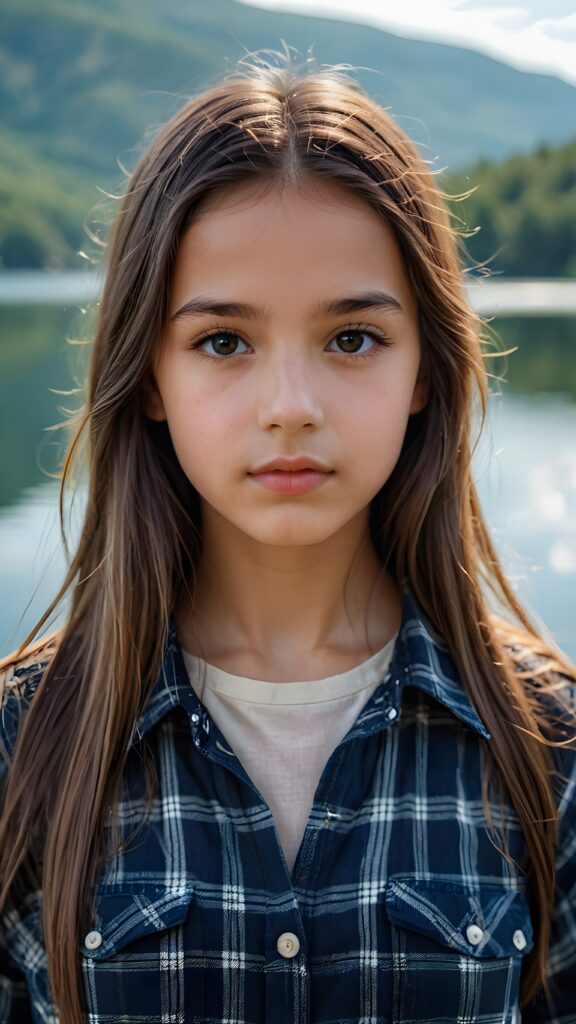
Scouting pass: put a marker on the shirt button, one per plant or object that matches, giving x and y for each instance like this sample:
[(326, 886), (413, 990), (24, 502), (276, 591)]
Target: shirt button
[(474, 934), (93, 940), (519, 939), (288, 944), (391, 714)]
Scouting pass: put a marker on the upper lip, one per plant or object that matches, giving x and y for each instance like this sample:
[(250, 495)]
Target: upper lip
[(291, 464)]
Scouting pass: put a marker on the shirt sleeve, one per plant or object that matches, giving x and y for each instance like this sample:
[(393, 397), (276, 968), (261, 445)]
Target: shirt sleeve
[(15, 1006), (15, 1003), (559, 1006)]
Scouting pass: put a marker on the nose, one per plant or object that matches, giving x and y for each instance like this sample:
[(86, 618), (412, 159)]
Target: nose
[(289, 394)]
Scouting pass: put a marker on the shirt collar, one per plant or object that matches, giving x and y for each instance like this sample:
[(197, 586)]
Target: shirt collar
[(421, 659), (172, 688)]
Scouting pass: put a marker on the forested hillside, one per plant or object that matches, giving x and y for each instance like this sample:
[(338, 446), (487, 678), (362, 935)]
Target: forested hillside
[(83, 83), (526, 210)]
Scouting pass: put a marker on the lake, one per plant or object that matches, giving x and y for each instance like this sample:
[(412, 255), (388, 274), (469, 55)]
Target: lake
[(525, 465)]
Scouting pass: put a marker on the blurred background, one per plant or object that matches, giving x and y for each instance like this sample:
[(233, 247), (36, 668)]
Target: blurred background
[(488, 93)]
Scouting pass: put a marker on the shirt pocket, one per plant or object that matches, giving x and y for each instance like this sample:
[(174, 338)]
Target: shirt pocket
[(457, 949), (133, 958)]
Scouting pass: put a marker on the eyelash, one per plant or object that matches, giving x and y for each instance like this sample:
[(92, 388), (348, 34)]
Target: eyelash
[(382, 341)]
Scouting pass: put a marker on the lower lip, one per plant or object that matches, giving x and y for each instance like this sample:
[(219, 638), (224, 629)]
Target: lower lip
[(298, 482)]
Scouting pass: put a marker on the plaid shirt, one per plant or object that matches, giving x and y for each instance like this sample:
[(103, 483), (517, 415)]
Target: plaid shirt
[(399, 907)]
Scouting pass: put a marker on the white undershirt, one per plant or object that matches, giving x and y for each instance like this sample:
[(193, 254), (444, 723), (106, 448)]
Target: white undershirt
[(284, 733)]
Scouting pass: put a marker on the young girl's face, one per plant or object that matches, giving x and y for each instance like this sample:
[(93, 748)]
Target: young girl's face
[(313, 351)]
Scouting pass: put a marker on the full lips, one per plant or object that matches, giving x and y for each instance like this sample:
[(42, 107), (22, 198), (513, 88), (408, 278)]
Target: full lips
[(297, 482)]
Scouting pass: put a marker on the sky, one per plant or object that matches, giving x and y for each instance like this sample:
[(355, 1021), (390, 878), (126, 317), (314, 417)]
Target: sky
[(531, 35)]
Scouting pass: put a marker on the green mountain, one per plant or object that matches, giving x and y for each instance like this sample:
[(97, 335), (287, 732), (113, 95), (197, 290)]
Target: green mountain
[(84, 83), (525, 208)]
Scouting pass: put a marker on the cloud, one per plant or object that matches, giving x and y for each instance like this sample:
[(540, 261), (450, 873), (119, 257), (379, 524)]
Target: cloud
[(563, 29), (534, 10), (504, 17), (532, 35)]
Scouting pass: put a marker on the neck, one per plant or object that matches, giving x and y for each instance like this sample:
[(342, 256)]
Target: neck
[(261, 606)]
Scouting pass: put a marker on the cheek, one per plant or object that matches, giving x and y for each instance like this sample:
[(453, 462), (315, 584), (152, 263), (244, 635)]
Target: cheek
[(203, 429), (185, 410), (377, 436), (378, 417)]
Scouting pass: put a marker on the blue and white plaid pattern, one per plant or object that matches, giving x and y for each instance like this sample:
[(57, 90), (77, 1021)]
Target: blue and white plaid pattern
[(399, 909)]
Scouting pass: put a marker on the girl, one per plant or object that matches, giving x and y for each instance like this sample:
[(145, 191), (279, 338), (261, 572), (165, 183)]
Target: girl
[(283, 763)]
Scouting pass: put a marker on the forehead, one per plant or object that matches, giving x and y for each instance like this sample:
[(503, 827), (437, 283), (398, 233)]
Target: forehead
[(324, 192), (315, 233), (324, 201)]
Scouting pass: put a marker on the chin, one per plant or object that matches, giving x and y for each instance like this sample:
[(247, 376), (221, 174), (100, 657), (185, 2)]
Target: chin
[(292, 536)]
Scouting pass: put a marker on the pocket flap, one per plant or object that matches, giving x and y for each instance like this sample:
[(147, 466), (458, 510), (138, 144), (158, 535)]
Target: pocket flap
[(123, 915), (486, 921)]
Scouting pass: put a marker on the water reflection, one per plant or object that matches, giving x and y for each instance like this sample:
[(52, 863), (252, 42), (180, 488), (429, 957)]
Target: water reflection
[(526, 476), (35, 363)]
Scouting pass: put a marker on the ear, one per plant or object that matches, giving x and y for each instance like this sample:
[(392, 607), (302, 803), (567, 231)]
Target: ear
[(421, 393), (152, 401)]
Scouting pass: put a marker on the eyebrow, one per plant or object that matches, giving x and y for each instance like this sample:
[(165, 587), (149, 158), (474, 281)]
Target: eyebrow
[(200, 304)]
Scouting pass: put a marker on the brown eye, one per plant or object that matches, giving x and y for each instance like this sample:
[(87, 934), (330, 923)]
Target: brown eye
[(358, 341), (351, 341), (222, 343)]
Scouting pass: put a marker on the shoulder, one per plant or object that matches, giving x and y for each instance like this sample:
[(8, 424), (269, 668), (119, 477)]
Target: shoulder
[(20, 676), (24, 668), (548, 679), (548, 675)]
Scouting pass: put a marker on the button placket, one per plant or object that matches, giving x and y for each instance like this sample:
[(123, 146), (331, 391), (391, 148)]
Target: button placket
[(195, 719), (200, 728), (391, 708)]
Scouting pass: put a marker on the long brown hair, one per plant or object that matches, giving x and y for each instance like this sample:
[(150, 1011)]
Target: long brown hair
[(141, 532)]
